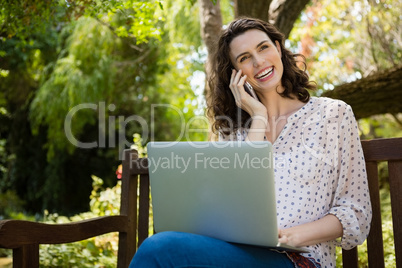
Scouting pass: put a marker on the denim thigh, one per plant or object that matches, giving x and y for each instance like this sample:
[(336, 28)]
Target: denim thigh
[(177, 249)]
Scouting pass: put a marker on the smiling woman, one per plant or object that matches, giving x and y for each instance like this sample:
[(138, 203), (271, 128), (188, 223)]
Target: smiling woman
[(317, 138), (322, 198), (254, 51)]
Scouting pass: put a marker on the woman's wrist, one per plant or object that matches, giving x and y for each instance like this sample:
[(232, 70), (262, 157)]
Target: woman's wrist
[(324, 229), (261, 112)]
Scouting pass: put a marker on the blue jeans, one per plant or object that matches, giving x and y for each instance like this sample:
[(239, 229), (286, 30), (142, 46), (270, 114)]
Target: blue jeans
[(175, 249)]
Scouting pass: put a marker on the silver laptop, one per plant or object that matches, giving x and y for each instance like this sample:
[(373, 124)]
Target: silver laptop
[(223, 190)]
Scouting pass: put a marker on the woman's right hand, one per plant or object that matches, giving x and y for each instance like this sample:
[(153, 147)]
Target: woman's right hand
[(243, 99)]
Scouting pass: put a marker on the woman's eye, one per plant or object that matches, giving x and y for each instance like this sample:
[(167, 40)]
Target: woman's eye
[(243, 58), (263, 47)]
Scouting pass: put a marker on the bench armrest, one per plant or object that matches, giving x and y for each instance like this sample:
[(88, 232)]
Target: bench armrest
[(17, 233)]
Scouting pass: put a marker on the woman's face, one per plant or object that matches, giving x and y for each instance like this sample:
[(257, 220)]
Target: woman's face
[(259, 58)]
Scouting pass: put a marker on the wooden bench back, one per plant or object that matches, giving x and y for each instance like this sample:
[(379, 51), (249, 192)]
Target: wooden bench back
[(24, 237), (389, 150), (375, 151)]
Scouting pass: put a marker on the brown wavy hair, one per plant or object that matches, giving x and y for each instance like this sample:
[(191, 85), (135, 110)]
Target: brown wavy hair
[(227, 116)]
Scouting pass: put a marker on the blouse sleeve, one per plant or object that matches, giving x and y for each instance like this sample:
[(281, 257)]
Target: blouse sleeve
[(351, 203)]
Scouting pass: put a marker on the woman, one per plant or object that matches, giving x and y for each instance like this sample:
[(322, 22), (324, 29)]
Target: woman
[(321, 186)]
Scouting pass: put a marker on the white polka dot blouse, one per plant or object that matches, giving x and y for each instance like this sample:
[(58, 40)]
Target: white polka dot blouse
[(320, 170)]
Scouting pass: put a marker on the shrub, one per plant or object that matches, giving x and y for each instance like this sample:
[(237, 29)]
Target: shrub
[(100, 251)]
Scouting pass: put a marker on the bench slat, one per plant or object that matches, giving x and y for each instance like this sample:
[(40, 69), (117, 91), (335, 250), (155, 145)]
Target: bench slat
[(26, 256), (375, 247), (395, 183), (143, 213), (350, 258), (382, 149), (139, 166), (128, 208)]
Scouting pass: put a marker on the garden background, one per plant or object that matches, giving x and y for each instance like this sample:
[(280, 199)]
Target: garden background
[(81, 80)]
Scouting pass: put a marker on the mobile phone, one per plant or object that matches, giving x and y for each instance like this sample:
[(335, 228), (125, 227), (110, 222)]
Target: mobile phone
[(249, 89)]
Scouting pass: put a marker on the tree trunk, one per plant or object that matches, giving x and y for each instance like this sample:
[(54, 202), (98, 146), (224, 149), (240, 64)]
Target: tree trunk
[(281, 13), (211, 27), (284, 13), (255, 9), (379, 93)]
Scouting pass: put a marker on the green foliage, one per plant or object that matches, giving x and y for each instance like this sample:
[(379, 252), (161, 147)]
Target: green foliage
[(388, 237), (227, 10), (104, 202), (22, 18), (145, 25), (135, 19), (10, 205), (138, 145), (89, 70), (83, 254), (100, 251), (183, 64), (84, 74), (384, 126), (119, 54), (182, 25), (3, 160)]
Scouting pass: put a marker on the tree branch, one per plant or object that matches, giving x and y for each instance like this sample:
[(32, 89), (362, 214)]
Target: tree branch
[(378, 93)]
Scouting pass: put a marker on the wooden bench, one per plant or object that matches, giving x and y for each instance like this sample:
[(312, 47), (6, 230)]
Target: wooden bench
[(133, 224)]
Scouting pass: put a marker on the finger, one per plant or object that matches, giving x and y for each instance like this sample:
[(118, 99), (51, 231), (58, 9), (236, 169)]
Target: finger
[(238, 76), (233, 84), (242, 81), (241, 88), (283, 240), (232, 77)]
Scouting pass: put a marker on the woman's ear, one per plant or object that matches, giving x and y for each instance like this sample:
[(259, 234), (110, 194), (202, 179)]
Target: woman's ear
[(278, 47)]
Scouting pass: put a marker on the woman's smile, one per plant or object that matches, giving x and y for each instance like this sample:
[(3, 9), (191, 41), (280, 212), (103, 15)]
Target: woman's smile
[(265, 74)]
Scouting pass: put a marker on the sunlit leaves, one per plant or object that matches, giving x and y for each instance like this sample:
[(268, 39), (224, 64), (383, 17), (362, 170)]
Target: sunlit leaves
[(182, 24), (137, 19), (347, 40), (22, 18)]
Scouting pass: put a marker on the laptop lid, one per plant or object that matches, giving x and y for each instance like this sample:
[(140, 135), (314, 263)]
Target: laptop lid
[(223, 190)]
